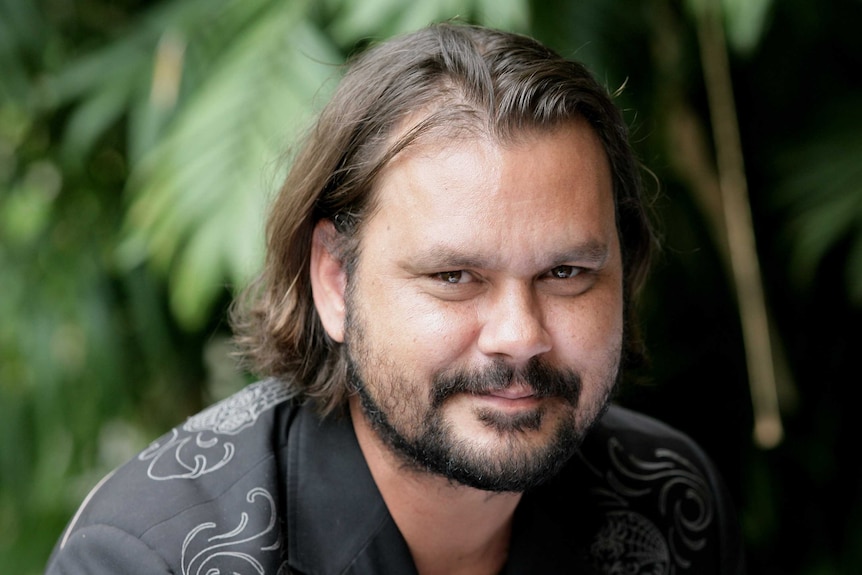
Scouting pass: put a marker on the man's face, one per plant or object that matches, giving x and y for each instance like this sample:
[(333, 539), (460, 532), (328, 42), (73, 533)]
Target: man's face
[(484, 318)]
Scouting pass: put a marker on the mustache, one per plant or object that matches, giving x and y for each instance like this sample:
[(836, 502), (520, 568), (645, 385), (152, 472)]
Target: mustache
[(543, 379)]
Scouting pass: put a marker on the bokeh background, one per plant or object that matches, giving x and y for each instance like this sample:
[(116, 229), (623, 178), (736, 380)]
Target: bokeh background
[(141, 140)]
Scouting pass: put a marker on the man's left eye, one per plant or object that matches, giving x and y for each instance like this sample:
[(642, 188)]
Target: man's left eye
[(565, 272)]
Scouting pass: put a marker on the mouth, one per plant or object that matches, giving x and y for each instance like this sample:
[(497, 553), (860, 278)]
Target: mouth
[(513, 392), (513, 397)]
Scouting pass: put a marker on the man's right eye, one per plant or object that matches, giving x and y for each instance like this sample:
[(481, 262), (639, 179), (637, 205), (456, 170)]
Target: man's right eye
[(453, 277)]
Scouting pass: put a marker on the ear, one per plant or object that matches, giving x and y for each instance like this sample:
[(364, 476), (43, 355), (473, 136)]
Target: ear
[(328, 280)]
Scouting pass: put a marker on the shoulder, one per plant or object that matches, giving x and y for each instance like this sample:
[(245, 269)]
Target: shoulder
[(641, 434), (630, 447), (624, 440), (618, 418), (656, 497), (212, 478)]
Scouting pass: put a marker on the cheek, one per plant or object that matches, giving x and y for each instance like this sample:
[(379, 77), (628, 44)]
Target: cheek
[(592, 331), (415, 330), (440, 333)]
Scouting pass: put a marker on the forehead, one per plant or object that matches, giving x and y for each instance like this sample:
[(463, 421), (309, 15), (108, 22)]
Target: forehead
[(525, 198)]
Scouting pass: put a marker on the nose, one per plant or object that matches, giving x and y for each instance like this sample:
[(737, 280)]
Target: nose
[(514, 325)]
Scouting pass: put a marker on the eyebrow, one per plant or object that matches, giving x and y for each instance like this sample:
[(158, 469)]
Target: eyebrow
[(441, 256)]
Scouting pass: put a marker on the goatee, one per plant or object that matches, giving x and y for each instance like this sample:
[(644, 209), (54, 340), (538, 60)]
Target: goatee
[(434, 447)]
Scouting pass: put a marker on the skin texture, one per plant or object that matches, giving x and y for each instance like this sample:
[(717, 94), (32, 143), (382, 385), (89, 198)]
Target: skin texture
[(478, 254)]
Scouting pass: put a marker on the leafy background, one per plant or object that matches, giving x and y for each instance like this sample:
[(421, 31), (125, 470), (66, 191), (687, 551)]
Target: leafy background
[(140, 142)]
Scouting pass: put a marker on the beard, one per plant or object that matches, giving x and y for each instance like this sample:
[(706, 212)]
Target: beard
[(409, 416)]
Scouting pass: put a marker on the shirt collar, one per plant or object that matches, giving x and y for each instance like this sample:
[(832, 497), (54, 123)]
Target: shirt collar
[(337, 521)]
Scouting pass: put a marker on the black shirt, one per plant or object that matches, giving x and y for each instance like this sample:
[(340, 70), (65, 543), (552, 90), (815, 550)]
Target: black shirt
[(257, 484)]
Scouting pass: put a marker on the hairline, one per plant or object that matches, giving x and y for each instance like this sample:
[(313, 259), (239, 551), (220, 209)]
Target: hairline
[(419, 129)]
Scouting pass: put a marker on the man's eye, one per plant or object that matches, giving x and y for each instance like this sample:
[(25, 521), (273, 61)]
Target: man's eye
[(454, 277), (565, 272)]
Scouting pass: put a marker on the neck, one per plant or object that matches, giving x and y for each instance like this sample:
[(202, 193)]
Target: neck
[(449, 528)]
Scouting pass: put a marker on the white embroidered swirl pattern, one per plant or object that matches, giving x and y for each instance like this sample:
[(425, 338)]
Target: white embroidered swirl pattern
[(202, 448), (236, 551), (683, 497)]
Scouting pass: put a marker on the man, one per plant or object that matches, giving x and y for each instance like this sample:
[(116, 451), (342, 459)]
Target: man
[(446, 302)]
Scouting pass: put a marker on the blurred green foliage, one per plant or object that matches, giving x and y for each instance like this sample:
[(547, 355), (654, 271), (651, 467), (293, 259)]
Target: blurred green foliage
[(140, 142)]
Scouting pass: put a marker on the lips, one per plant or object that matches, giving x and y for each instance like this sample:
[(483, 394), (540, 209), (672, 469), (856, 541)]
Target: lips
[(513, 392)]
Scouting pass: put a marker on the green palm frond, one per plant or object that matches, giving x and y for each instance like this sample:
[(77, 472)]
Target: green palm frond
[(200, 193), (117, 79)]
